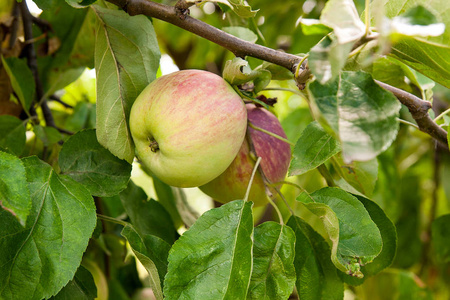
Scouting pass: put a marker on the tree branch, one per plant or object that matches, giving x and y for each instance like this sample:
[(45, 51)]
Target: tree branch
[(419, 111), (177, 15), (30, 51)]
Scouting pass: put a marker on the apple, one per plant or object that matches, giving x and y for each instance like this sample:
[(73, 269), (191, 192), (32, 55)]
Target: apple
[(275, 157), (188, 127)]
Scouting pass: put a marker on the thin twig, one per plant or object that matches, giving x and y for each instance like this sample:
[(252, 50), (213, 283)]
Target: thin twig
[(250, 182), (57, 99), (15, 25)]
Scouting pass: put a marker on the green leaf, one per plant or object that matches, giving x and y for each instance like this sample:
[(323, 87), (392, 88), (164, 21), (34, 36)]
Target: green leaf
[(273, 275), (359, 112), (355, 237), (126, 61), (37, 260), (314, 147), (152, 253), (148, 217), (316, 275), (14, 193), (389, 237), (87, 162), (242, 33), (48, 135), (21, 78), (427, 55), (80, 3), (360, 175), (440, 237), (314, 27), (342, 17), (237, 71), (13, 135), (213, 259), (81, 287)]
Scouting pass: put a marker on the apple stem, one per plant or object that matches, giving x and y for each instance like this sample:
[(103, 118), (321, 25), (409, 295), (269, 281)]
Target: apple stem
[(280, 216), (271, 134), (247, 193)]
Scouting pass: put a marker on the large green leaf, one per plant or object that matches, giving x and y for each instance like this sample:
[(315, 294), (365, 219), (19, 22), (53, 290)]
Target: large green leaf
[(389, 237), (126, 61), (148, 217), (81, 287), (13, 135), (317, 277), (89, 163), (22, 80), (431, 55), (314, 147), (213, 259), (355, 237), (440, 234), (37, 260), (152, 252), (14, 193), (273, 275), (359, 112)]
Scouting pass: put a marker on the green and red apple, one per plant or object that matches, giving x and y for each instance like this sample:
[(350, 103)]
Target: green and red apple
[(188, 127), (275, 157)]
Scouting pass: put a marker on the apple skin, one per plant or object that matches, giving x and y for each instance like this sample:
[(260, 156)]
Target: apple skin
[(275, 158), (188, 127)]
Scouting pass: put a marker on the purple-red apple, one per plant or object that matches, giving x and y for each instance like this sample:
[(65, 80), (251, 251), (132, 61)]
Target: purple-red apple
[(188, 127), (275, 157)]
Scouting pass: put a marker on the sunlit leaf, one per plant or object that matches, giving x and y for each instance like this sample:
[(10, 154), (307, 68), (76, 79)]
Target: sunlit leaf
[(242, 33), (126, 61), (238, 6), (89, 163), (356, 238), (237, 71), (213, 259), (359, 112)]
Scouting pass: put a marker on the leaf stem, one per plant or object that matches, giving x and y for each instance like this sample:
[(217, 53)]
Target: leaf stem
[(326, 174), (408, 123), (284, 200), (442, 115), (280, 216), (112, 220), (247, 193), (271, 134)]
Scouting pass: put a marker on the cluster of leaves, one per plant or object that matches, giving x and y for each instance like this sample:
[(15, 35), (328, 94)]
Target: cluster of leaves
[(73, 224)]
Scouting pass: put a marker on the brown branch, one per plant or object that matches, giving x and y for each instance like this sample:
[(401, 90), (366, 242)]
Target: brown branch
[(177, 16), (419, 111), (30, 52)]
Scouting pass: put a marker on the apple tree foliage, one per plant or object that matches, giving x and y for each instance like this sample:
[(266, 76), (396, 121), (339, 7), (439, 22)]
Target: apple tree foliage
[(365, 208)]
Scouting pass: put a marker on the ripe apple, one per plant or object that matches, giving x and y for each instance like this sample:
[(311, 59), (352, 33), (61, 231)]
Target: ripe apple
[(188, 127), (275, 157)]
